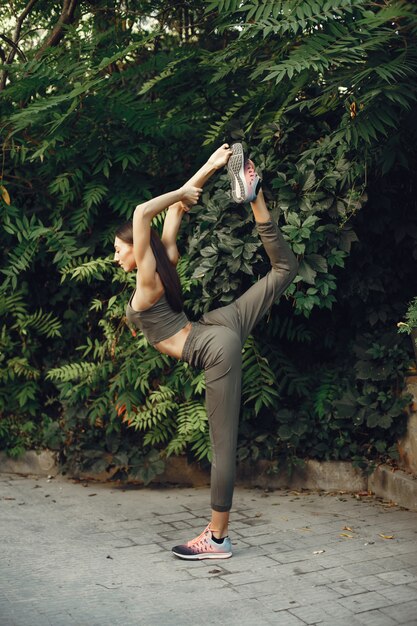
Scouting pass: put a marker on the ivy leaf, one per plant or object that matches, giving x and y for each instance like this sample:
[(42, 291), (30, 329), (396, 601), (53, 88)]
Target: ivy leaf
[(285, 432), (317, 262), (307, 273), (347, 237), (346, 406)]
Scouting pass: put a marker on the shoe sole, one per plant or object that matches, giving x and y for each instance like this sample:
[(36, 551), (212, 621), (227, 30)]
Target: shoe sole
[(235, 169), (200, 557)]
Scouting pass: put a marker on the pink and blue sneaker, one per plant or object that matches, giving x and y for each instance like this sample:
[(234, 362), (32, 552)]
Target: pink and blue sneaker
[(204, 547), (244, 180)]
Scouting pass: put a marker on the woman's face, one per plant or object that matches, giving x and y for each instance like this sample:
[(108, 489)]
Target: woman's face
[(123, 255)]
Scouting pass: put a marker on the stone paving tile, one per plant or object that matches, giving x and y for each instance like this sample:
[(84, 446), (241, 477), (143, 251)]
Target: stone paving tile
[(375, 618), (402, 613), (372, 583), (346, 587), (365, 601), (398, 577), (377, 566), (400, 593), (75, 555), (316, 614)]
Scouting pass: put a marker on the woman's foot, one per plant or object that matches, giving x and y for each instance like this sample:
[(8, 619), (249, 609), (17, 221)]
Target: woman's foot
[(245, 182), (204, 547)]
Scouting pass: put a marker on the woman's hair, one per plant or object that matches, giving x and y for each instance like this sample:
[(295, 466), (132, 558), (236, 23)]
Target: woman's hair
[(164, 267)]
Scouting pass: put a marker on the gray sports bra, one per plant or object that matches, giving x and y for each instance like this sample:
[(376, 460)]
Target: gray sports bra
[(157, 323)]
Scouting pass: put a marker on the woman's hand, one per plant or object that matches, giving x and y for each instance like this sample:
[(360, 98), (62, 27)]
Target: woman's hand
[(180, 207), (190, 194), (220, 157)]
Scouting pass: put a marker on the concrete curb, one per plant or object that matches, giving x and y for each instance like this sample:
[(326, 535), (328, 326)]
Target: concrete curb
[(395, 485), (321, 475), (31, 463), (384, 482)]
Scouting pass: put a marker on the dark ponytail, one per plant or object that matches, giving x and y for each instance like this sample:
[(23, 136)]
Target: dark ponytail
[(164, 267)]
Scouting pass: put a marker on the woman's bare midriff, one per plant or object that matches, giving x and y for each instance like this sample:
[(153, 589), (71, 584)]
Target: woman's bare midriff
[(173, 346)]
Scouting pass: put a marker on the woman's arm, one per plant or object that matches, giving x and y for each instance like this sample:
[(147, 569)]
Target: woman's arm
[(142, 218), (216, 161), (176, 211), (172, 225)]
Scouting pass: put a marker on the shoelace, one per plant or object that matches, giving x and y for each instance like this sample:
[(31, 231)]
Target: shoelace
[(201, 537)]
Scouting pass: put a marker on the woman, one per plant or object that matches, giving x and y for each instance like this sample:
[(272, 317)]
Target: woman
[(215, 342)]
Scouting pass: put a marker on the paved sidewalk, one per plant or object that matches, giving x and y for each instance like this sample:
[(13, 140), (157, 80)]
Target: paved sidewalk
[(99, 555)]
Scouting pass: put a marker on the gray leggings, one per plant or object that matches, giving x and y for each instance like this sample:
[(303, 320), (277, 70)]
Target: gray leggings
[(215, 344)]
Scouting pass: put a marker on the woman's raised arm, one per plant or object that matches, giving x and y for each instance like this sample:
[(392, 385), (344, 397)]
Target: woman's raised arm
[(176, 211)]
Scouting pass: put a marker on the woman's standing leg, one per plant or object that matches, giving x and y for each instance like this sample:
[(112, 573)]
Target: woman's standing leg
[(218, 349)]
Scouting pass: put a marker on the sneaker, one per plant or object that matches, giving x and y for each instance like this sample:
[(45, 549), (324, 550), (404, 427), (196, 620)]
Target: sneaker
[(203, 547), (244, 179)]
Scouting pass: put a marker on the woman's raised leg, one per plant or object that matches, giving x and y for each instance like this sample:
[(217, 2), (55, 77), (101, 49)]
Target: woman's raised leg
[(257, 300)]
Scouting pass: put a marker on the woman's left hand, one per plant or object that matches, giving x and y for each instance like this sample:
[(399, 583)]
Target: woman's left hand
[(180, 207), (190, 194), (220, 157)]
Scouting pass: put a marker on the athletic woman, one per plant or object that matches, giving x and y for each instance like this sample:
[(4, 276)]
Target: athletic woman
[(215, 342)]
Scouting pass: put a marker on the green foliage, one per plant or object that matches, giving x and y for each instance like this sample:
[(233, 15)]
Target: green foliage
[(410, 318), (259, 381), (126, 103)]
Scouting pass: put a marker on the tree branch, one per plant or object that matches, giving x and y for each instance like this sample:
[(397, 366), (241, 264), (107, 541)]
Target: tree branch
[(13, 42), (66, 17), (14, 48), (19, 23)]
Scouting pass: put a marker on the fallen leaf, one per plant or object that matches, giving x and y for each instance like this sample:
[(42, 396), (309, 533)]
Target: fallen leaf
[(386, 536), (348, 528), (346, 535), (5, 194)]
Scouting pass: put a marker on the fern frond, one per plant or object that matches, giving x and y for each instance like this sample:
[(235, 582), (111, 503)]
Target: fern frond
[(166, 72), (159, 405), (14, 303), (72, 372), (43, 323), (19, 260), (259, 384), (21, 367), (201, 445), (88, 270), (192, 427), (216, 129)]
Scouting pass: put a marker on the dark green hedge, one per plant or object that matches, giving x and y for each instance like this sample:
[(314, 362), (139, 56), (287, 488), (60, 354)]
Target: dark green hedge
[(127, 102)]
